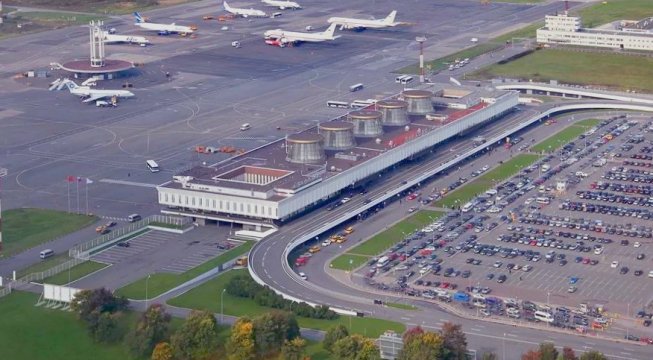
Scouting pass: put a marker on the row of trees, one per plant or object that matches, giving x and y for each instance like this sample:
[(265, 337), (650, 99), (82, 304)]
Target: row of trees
[(548, 351), (244, 286)]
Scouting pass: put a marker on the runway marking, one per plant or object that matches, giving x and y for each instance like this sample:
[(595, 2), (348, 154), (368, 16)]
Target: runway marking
[(131, 183)]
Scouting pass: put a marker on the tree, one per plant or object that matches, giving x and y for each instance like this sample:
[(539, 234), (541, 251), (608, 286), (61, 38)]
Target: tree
[(355, 347), (241, 344), (455, 341), (197, 338), (548, 351), (271, 329), (334, 334), (294, 349), (427, 345), (162, 351), (101, 300), (151, 329), (593, 355), (531, 355), (410, 333), (568, 354), (105, 328)]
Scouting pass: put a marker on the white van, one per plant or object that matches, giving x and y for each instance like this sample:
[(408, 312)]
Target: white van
[(467, 207), (46, 253), (235, 44), (543, 316), (382, 261), (245, 126), (133, 217)]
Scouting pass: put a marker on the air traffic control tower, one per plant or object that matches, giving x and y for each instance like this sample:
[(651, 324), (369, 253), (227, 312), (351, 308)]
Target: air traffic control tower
[(97, 65)]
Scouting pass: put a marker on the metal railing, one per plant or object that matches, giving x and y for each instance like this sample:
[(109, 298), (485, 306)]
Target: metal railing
[(39, 276), (5, 291), (81, 250)]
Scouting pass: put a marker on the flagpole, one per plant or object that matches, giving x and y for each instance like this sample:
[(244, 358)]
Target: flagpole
[(68, 183), (77, 183), (86, 196)]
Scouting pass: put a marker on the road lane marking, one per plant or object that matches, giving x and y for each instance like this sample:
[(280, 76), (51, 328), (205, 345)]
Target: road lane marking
[(131, 183)]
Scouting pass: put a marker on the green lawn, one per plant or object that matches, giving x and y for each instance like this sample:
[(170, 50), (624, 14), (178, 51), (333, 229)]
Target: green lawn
[(525, 32), (613, 10), (207, 297), (588, 123), (518, 1), (619, 71), (26, 228), (59, 18), (559, 139), (159, 283), (166, 225), (315, 350), (349, 261), (384, 240), (36, 333), (481, 184), (76, 272), (401, 306), (443, 62)]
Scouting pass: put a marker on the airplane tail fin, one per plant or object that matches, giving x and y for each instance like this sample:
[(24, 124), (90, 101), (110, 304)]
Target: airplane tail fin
[(138, 17), (225, 5), (331, 30), (391, 18)]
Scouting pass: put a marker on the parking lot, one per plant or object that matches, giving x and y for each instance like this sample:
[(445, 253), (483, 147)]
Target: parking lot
[(574, 228)]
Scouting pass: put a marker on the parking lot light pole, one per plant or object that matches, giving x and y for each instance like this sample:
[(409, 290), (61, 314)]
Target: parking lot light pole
[(504, 346), (222, 306), (147, 279)]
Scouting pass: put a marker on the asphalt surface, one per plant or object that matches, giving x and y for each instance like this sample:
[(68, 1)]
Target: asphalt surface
[(47, 136), (324, 289)]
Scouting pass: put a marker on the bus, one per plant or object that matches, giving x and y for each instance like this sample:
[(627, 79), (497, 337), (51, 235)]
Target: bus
[(406, 80), (399, 78), (337, 104), (360, 104), (356, 87), (543, 200), (152, 165)]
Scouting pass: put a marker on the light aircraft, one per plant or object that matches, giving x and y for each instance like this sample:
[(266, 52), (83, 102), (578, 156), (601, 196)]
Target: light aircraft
[(282, 4), (243, 12), (162, 29), (282, 38), (114, 39), (87, 93), (349, 23)]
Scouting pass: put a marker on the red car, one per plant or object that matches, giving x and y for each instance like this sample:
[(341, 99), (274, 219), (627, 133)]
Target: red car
[(412, 197), (646, 340), (444, 285), (586, 261)]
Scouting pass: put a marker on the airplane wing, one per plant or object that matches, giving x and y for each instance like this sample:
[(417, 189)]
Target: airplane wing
[(93, 97)]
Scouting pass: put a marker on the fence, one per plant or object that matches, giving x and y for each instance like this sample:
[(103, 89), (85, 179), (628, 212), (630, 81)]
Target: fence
[(80, 253), (81, 250), (39, 276)]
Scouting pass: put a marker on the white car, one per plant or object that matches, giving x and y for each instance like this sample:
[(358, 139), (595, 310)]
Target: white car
[(303, 276), (650, 274), (529, 201), (614, 264), (637, 244), (485, 168), (598, 251), (326, 242), (345, 200), (526, 268), (497, 264)]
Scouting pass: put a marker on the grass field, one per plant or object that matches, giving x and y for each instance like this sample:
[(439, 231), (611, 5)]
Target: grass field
[(26, 228), (58, 18), (384, 240), (481, 184), (559, 139), (76, 272), (588, 123), (36, 333), (401, 306), (613, 10), (166, 225), (44, 264), (525, 32), (618, 71), (207, 297), (159, 283), (443, 62)]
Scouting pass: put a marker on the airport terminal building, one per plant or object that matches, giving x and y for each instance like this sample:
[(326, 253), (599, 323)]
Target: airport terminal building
[(271, 184), (567, 30)]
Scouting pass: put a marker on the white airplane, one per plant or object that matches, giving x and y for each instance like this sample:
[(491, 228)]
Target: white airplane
[(87, 93), (349, 23), (162, 29), (282, 4), (243, 12), (282, 38), (115, 39)]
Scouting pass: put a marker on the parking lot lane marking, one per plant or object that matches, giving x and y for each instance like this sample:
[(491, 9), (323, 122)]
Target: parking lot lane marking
[(130, 183), (475, 329), (511, 335)]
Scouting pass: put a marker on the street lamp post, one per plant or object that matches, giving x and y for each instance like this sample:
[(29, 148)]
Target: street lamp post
[(222, 306), (3, 173), (504, 346), (147, 279)]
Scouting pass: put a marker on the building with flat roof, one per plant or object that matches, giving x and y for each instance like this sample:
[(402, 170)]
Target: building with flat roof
[(273, 183), (567, 30)]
